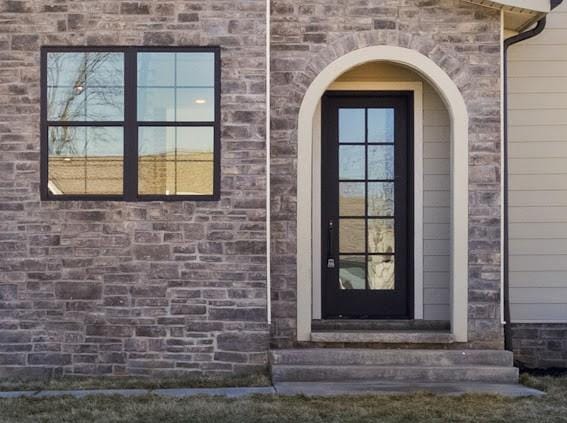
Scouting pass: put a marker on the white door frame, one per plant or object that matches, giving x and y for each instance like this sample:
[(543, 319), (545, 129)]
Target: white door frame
[(456, 107), (417, 88)]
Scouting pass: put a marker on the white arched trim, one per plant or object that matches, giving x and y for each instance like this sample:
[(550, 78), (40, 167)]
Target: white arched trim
[(459, 177)]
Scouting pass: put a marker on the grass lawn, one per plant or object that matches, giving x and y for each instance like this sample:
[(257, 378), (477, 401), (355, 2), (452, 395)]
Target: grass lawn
[(410, 408)]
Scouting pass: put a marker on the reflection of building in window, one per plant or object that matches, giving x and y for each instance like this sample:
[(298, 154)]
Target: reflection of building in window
[(172, 123)]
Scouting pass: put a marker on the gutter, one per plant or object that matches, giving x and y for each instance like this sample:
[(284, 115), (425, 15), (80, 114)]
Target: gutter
[(526, 35)]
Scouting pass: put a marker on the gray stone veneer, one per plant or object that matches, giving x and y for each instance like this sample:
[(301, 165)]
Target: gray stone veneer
[(540, 345), (114, 288), (464, 40)]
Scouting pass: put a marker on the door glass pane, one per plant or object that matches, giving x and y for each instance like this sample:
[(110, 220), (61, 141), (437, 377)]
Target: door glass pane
[(381, 272), (380, 199), (380, 125), (381, 162), (351, 199), (351, 236), (351, 162), (351, 125), (381, 236), (352, 272)]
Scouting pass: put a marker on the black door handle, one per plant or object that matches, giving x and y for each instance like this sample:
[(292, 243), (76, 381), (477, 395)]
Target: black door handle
[(330, 259)]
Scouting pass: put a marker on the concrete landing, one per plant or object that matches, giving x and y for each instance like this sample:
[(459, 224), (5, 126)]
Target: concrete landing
[(402, 388)]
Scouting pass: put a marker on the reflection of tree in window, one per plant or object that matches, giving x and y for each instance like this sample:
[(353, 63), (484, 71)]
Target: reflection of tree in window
[(85, 87)]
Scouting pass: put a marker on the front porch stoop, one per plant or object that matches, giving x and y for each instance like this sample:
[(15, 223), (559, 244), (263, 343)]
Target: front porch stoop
[(401, 365)]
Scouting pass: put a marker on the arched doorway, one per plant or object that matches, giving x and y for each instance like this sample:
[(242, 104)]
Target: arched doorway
[(309, 183)]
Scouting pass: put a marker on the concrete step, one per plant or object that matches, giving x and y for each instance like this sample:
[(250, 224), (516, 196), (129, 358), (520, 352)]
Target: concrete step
[(423, 374), (425, 366), (393, 357), (335, 325)]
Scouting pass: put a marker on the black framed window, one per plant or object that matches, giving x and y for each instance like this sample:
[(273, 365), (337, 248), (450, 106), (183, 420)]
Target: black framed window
[(130, 123)]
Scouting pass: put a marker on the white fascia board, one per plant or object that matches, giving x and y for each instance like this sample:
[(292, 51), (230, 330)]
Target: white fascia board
[(526, 6)]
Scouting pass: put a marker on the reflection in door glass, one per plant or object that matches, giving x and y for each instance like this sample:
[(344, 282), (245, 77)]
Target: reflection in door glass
[(380, 125), (351, 125), (351, 162), (380, 199), (381, 162), (351, 199), (351, 272), (351, 236), (381, 236), (381, 272)]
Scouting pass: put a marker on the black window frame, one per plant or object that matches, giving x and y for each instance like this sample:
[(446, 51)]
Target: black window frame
[(130, 124)]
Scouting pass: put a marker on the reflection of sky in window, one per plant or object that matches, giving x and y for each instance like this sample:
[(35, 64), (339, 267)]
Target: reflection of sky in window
[(176, 69), (95, 69), (85, 86), (176, 87), (380, 125), (162, 140)]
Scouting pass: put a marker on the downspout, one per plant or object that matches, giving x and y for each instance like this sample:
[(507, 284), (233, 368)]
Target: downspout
[(540, 26)]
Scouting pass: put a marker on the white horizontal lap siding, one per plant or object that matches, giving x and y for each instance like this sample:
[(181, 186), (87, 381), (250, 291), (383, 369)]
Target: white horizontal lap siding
[(436, 204), (538, 174)]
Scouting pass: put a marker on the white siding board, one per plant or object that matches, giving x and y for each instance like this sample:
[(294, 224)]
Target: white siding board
[(544, 279), (542, 149), (539, 312), (538, 174), (538, 231)]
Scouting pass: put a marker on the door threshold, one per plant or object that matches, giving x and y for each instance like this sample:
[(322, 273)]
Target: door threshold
[(335, 325), (383, 337)]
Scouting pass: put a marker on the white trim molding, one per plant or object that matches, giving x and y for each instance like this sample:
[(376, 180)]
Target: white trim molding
[(417, 88), (456, 107)]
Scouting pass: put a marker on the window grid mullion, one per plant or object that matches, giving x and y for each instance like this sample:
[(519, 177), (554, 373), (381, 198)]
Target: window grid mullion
[(130, 127)]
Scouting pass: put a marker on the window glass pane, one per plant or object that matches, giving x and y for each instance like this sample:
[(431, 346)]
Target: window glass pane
[(195, 104), (351, 236), (85, 86), (196, 69), (66, 104), (175, 160), (156, 104), (351, 125), (351, 162), (176, 87), (380, 162), (156, 69), (380, 125), (351, 199), (352, 272), (85, 160), (381, 272), (381, 236), (380, 199)]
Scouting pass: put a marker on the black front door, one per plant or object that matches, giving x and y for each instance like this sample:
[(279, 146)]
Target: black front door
[(367, 205)]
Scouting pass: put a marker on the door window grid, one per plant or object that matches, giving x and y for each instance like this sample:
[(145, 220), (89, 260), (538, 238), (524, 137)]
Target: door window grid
[(367, 254)]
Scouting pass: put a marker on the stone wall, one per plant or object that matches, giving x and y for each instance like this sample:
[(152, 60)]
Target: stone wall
[(464, 40), (540, 345), (114, 288)]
